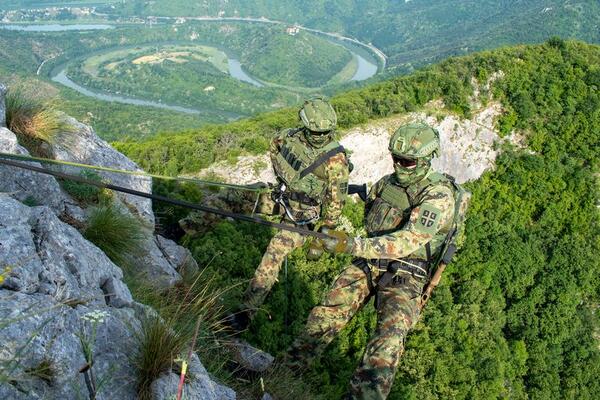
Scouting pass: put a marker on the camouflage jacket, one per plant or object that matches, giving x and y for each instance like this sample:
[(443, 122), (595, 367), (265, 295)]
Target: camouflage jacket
[(333, 173), (426, 218)]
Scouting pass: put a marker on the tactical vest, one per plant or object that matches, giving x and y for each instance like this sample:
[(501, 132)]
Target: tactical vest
[(294, 156), (393, 205)]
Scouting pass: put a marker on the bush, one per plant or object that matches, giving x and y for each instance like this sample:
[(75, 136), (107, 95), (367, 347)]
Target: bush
[(33, 119), (82, 192), (117, 234)]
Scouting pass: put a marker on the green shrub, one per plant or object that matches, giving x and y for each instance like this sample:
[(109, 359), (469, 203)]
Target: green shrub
[(82, 192), (118, 234)]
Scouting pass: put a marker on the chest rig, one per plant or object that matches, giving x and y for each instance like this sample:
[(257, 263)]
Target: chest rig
[(293, 163), (392, 208)]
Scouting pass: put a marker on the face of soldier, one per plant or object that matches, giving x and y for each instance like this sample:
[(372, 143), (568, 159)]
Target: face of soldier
[(410, 170), (318, 139)]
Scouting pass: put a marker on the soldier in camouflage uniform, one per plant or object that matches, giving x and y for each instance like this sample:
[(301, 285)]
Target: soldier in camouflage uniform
[(408, 216), (312, 173)]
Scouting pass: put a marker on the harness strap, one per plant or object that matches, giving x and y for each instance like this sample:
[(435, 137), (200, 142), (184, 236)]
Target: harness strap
[(320, 160), (364, 266)]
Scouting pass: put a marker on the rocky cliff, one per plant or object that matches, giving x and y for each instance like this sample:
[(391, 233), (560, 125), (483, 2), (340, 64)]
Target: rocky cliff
[(56, 286)]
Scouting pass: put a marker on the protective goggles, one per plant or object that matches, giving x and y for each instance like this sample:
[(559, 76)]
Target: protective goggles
[(408, 163)]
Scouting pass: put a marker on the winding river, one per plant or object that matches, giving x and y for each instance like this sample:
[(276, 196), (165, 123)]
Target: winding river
[(365, 69)]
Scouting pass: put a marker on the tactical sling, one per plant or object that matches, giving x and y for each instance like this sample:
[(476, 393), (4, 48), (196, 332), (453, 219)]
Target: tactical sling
[(321, 159)]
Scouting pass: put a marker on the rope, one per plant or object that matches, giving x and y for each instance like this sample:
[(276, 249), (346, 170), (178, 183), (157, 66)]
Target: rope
[(21, 157), (181, 203)]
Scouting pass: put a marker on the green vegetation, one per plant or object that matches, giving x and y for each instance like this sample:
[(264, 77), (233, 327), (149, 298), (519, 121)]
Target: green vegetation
[(116, 233), (82, 192), (303, 60), (515, 315), (33, 119), (190, 307)]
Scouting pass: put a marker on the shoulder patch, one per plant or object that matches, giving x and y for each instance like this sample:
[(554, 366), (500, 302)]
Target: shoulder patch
[(428, 219)]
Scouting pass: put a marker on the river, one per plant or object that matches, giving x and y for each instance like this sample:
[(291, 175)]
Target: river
[(365, 69)]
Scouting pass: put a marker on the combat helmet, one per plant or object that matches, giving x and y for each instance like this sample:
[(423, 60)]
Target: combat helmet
[(413, 146), (319, 119)]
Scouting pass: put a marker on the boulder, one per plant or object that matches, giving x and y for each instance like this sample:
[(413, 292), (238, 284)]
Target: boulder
[(251, 358), (200, 386), (85, 147), (32, 187), (179, 257), (56, 280)]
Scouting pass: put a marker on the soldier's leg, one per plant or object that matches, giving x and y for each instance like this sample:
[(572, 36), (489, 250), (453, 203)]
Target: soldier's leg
[(398, 312), (344, 299), (265, 276)]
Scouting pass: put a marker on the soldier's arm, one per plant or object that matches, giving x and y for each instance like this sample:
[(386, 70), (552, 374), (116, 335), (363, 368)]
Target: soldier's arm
[(436, 210), (337, 189), (275, 145)]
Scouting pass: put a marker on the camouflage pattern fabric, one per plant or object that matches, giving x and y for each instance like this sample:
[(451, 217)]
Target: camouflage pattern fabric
[(397, 314), (265, 276), (335, 173)]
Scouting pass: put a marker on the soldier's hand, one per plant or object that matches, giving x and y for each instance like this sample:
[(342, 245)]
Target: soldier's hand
[(338, 241), (315, 250)]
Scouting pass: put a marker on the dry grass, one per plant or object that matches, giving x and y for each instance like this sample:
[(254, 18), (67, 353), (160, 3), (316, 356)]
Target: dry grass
[(168, 336), (33, 119)]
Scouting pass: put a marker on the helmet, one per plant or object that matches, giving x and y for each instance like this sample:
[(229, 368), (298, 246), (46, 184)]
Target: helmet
[(413, 147), (318, 115)]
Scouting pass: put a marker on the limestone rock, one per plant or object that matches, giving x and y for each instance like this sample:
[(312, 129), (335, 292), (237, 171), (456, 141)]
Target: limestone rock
[(32, 187), (179, 257), (200, 387), (85, 147), (154, 266), (251, 358), (2, 106)]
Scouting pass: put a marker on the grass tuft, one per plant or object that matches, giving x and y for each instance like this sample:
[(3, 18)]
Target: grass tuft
[(33, 119), (164, 338), (118, 234), (44, 371), (82, 192)]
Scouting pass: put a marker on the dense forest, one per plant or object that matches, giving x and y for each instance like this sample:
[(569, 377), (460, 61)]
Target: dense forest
[(515, 316)]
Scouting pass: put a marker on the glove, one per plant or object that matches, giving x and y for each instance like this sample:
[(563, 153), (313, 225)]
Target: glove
[(315, 250), (339, 242)]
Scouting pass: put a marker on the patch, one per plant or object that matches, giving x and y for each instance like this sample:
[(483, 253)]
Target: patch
[(428, 220)]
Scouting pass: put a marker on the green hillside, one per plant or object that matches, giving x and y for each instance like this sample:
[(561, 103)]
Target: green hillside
[(304, 60), (516, 314)]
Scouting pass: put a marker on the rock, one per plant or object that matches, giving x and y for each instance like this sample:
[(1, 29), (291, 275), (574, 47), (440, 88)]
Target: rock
[(50, 257), (154, 266), (251, 358), (2, 105), (266, 396), (179, 257), (32, 187), (85, 147), (47, 331), (200, 387)]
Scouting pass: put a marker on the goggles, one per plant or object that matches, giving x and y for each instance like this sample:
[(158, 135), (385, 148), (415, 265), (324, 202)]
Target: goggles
[(408, 163)]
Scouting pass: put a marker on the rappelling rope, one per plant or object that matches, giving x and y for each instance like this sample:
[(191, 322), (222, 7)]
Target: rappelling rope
[(182, 203), (21, 157)]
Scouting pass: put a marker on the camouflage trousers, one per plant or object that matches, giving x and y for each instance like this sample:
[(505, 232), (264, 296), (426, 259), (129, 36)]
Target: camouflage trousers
[(265, 276), (397, 313)]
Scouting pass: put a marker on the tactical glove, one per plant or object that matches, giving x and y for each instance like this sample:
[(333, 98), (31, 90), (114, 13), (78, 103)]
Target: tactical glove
[(339, 242)]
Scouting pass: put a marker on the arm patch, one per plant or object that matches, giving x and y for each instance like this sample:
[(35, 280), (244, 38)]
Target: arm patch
[(428, 220)]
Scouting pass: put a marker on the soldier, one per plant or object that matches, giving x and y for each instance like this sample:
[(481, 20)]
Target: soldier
[(312, 182), (408, 217)]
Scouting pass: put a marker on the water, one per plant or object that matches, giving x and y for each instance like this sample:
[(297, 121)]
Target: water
[(64, 80), (236, 71), (56, 27), (365, 69)]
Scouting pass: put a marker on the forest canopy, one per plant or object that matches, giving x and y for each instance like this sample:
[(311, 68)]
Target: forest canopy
[(516, 313)]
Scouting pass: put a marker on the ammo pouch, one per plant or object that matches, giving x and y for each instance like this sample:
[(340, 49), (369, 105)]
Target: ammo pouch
[(391, 276)]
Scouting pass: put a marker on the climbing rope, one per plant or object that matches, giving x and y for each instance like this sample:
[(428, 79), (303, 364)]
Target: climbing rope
[(102, 185)]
